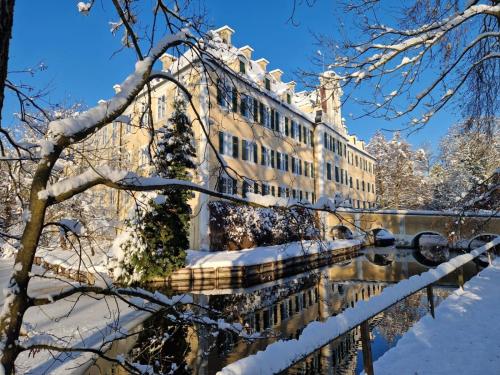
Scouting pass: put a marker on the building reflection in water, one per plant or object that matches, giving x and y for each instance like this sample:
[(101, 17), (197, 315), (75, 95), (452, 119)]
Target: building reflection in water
[(281, 309)]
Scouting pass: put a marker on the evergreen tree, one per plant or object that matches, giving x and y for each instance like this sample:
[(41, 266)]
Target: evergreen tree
[(158, 237)]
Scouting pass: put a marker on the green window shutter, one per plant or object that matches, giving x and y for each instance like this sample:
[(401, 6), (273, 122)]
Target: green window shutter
[(255, 153), (243, 105), (244, 150), (235, 186), (286, 163), (221, 143), (235, 100), (220, 96), (262, 161), (286, 126), (272, 118), (272, 158), (255, 110), (300, 133), (236, 142)]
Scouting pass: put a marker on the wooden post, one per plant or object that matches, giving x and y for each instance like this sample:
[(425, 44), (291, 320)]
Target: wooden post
[(461, 277), (430, 298), (367, 350)]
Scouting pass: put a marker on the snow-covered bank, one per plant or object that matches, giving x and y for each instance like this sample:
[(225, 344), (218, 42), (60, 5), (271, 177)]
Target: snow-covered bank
[(282, 354), (84, 321), (463, 339), (264, 254)]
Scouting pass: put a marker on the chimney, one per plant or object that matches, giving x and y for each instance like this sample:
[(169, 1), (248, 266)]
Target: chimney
[(225, 32), (247, 51), (117, 88), (330, 93), (167, 60), (276, 73), (262, 63)]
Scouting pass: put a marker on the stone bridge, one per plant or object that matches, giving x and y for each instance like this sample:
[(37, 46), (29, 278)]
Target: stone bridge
[(407, 226)]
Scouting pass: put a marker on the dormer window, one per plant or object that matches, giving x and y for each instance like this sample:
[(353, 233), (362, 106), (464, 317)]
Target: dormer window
[(242, 67), (267, 83)]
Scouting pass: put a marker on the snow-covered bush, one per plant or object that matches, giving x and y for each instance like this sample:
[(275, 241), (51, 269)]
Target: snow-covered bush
[(234, 226)]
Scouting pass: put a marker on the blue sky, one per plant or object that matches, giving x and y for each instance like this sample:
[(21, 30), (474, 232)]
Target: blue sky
[(78, 50)]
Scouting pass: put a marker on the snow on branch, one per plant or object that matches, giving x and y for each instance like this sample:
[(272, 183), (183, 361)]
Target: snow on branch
[(426, 36), (105, 112), (118, 179)]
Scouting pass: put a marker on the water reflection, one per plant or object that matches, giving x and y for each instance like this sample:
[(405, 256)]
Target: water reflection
[(281, 309)]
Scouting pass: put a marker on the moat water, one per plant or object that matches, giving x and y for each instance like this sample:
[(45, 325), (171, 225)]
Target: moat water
[(281, 309)]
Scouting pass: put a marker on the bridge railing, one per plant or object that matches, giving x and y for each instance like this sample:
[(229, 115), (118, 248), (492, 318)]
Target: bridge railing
[(283, 354)]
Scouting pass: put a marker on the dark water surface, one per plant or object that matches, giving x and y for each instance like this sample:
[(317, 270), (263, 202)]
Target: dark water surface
[(282, 308)]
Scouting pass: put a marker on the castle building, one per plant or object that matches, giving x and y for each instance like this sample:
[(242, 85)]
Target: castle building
[(271, 140)]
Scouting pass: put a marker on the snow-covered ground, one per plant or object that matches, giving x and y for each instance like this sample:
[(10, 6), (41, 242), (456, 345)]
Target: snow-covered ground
[(264, 254), (463, 339)]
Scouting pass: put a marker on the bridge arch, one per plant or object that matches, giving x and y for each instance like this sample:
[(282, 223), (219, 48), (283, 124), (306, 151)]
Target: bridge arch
[(341, 232), (380, 236), (416, 238), (483, 237)]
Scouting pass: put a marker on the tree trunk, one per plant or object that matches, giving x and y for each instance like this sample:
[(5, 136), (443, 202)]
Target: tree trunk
[(16, 298), (6, 20)]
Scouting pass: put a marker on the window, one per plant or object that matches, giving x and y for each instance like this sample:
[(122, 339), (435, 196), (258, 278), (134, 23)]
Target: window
[(256, 188), (144, 114), (295, 133), (345, 178), (277, 119), (289, 98), (328, 171), (223, 93), (266, 118), (296, 166), (267, 83), (281, 161), (282, 191), (286, 126), (363, 185), (310, 138), (273, 191), (337, 177), (255, 108), (265, 189), (357, 160), (242, 66), (357, 184), (245, 104), (267, 157), (350, 182), (245, 188), (227, 185), (249, 151), (162, 107), (325, 140), (228, 145)]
